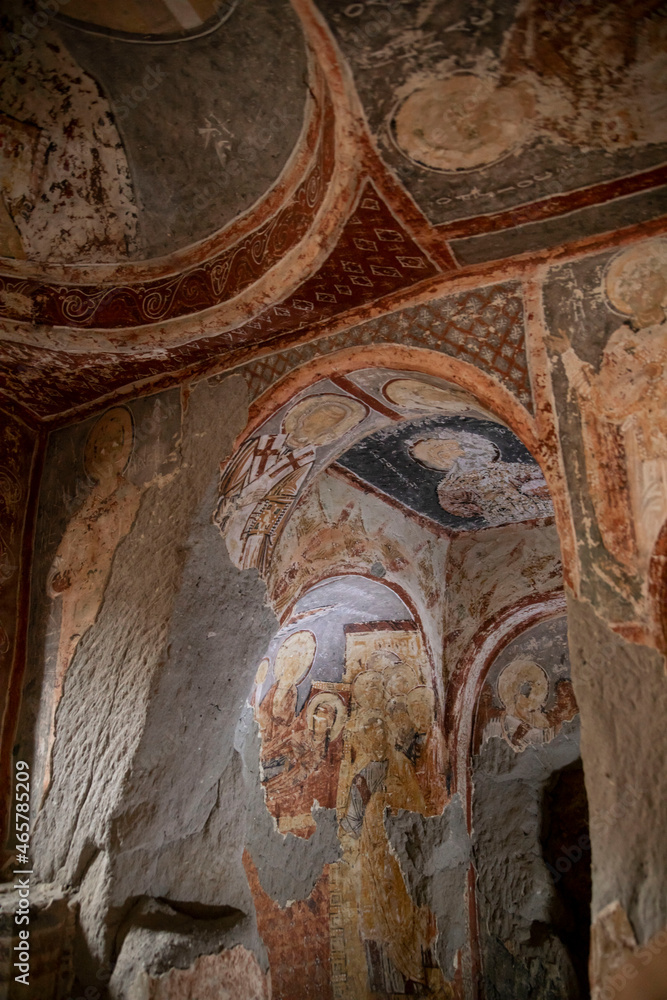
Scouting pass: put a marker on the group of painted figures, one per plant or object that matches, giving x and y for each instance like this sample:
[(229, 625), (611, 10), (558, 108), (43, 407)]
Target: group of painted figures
[(362, 746)]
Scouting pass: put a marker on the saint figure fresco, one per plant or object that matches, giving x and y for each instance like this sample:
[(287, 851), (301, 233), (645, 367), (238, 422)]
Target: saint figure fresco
[(364, 744), (523, 688), (414, 394), (260, 484), (478, 483), (542, 88), (300, 750), (388, 938), (82, 564), (624, 407)]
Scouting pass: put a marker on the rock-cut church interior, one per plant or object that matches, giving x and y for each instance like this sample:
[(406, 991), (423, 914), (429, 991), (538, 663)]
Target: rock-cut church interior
[(333, 499)]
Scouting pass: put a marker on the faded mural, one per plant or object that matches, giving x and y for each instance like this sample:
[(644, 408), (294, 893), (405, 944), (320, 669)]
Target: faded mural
[(112, 459), (160, 20), (460, 467), (528, 694), (260, 485), (362, 736), (461, 472), (82, 564), (495, 105), (610, 358)]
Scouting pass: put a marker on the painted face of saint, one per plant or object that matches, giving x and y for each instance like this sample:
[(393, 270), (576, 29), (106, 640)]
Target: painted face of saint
[(421, 708), (523, 687), (399, 680), (109, 445), (463, 122), (437, 453), (326, 715), (411, 394), (322, 419), (294, 658), (461, 450), (368, 689), (636, 282), (323, 720)]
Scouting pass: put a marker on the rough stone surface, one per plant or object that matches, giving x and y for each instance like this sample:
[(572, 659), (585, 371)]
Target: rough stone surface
[(142, 755), (434, 853), (624, 766), (522, 956), (230, 975)]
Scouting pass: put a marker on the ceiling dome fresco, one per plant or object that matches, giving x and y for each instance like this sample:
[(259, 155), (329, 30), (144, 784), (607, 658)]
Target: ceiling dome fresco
[(124, 143)]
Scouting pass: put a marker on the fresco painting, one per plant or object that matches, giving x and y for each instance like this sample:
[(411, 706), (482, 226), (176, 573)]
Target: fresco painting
[(259, 486), (367, 738), (159, 19), (489, 477), (623, 406), (81, 567), (415, 394), (528, 693), (491, 106)]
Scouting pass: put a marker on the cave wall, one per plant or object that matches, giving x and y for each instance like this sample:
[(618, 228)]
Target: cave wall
[(146, 789), (527, 736), (19, 472)]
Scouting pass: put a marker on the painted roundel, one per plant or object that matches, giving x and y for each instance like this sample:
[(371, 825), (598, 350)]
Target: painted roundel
[(463, 122), (636, 282)]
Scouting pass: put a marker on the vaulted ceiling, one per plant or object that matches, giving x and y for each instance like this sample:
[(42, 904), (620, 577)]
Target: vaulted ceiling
[(188, 187)]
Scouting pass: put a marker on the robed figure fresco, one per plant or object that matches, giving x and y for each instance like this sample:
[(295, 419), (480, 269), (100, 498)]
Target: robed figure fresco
[(624, 407), (362, 745), (523, 688), (82, 564), (262, 481), (301, 751), (477, 483), (388, 938)]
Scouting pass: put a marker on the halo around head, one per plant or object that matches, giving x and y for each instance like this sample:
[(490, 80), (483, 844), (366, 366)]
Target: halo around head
[(519, 675), (262, 671), (382, 659), (421, 705), (636, 282), (322, 419), (463, 122), (295, 657), (368, 689), (413, 394), (326, 698), (109, 443), (399, 680), (449, 448)]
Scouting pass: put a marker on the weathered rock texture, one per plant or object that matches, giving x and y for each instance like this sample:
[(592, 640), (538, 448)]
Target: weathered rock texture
[(467, 194), (151, 686), (623, 765)]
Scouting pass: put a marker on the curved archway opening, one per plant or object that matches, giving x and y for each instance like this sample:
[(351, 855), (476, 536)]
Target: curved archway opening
[(394, 515)]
